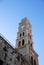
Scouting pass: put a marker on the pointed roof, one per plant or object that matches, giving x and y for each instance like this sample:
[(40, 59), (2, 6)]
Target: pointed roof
[(25, 20)]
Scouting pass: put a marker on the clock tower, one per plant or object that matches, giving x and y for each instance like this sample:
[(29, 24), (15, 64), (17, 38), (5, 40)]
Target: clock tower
[(24, 42)]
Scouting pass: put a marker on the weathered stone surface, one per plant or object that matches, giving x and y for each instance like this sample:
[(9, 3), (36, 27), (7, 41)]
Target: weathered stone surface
[(24, 53)]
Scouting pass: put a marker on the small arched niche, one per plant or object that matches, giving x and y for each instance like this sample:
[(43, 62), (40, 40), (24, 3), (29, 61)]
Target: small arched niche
[(19, 44), (31, 60), (34, 62), (23, 42)]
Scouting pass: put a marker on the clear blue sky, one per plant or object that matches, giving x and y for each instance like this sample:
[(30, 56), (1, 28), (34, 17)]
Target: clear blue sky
[(11, 13)]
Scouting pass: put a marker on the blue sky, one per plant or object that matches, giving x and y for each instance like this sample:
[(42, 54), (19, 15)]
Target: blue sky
[(11, 13)]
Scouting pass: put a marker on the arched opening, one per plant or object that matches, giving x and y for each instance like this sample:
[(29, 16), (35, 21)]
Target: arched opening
[(1, 62), (28, 34), (31, 44), (8, 64), (20, 34), (23, 42), (28, 42), (31, 60), (23, 33), (34, 62), (19, 44), (18, 58)]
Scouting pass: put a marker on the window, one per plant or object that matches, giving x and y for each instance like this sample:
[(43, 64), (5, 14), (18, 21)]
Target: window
[(34, 62), (31, 60), (5, 56), (31, 44), (28, 42), (28, 34), (23, 42), (18, 58), (10, 59), (20, 34), (5, 49), (23, 33), (19, 43), (22, 27), (8, 64), (1, 62)]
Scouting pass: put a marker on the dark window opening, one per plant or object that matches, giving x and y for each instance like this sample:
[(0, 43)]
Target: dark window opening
[(34, 62), (20, 35), (31, 60), (18, 58), (23, 42), (1, 62), (5, 56), (5, 49), (28, 42), (22, 60), (10, 59), (8, 64), (28, 34), (23, 33), (19, 43), (31, 44)]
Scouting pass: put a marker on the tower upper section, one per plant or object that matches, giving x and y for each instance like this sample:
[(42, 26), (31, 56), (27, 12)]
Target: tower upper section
[(24, 24), (24, 35)]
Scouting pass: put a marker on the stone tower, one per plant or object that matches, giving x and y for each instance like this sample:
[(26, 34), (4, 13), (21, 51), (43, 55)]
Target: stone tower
[(24, 34), (24, 42)]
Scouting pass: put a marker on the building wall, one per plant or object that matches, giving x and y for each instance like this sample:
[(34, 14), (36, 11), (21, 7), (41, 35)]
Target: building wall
[(8, 54)]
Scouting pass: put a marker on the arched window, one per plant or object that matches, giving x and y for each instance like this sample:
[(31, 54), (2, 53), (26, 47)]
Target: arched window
[(19, 43), (18, 58), (1, 62), (34, 62), (23, 42), (31, 60), (28, 42), (8, 64), (23, 33), (28, 34), (31, 44), (20, 34)]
